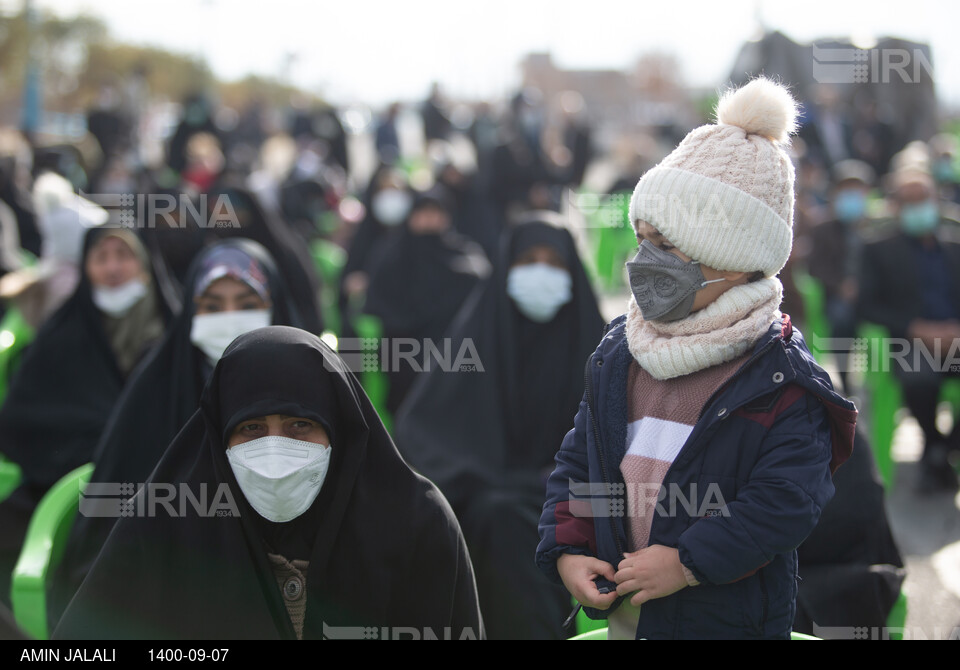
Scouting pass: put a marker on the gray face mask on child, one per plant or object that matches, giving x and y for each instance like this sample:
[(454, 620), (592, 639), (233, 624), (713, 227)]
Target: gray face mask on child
[(664, 285)]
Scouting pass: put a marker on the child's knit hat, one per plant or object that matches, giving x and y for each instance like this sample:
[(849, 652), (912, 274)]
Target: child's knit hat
[(724, 197)]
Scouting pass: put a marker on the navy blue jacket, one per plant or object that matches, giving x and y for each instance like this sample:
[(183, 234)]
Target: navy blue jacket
[(752, 478)]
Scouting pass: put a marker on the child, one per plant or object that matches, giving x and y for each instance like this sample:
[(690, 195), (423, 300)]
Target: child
[(703, 449)]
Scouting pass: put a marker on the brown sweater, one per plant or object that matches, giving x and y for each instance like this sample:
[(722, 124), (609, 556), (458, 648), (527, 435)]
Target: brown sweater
[(661, 416), (292, 579)]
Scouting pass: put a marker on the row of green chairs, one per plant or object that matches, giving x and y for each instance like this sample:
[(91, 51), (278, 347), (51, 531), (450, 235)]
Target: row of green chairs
[(883, 393)]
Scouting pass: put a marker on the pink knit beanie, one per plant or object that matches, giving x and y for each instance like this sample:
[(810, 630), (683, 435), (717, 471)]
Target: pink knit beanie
[(724, 197)]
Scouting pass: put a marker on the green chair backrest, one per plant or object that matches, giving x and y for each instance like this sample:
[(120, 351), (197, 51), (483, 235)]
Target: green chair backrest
[(43, 548), (9, 477), (601, 634), (372, 378), (815, 326), (15, 335), (329, 259)]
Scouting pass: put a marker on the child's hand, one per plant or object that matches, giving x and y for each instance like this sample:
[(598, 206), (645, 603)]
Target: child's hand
[(653, 572), (578, 573)]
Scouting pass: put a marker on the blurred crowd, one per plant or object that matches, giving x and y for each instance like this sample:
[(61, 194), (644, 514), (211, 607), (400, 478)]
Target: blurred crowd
[(113, 270)]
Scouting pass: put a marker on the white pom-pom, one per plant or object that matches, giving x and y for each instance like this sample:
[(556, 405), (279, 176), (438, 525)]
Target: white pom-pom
[(762, 107)]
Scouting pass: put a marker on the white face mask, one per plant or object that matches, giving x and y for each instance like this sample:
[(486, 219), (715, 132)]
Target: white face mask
[(118, 300), (539, 290), (391, 206), (213, 333), (280, 477)]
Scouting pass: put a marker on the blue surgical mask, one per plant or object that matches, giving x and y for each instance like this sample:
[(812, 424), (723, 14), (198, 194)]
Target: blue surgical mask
[(539, 290), (850, 205), (943, 170), (920, 218)]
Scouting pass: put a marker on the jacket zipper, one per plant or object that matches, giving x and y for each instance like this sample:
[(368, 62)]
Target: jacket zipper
[(588, 388), (764, 601)]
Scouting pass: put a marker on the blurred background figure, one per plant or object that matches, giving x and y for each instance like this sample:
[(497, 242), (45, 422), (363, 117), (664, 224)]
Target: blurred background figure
[(387, 202), (436, 120), (488, 437), (835, 251), (420, 276), (909, 285), (387, 140)]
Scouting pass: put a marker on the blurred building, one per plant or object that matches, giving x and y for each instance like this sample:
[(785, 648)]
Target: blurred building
[(650, 97)]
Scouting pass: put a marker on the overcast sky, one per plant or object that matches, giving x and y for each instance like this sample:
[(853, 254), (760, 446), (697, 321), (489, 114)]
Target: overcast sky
[(377, 50)]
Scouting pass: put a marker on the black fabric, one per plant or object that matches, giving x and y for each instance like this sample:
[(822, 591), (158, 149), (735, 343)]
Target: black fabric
[(487, 438), (418, 283), (387, 551), (850, 568), (57, 406), (368, 235), (287, 248), (156, 403)]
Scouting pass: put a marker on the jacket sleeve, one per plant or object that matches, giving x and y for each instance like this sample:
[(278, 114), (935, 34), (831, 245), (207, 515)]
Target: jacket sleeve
[(566, 523), (778, 506)]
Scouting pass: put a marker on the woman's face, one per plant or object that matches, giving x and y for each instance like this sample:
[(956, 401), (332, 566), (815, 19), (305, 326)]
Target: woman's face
[(229, 295), (540, 253), (297, 428), (111, 263)]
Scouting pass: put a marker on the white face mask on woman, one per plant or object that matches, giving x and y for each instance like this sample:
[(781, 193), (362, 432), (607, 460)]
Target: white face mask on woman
[(116, 301), (280, 477), (213, 333), (539, 290), (391, 206)]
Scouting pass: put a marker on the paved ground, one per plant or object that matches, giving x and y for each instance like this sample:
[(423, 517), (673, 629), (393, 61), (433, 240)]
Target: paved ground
[(927, 529)]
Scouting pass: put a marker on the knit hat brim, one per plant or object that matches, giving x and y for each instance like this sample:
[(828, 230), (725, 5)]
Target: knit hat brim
[(718, 225)]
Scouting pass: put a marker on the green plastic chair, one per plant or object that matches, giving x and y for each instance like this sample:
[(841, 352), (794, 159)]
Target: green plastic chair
[(816, 325), (329, 259), (43, 548), (9, 477), (601, 634), (886, 398), (612, 238), (15, 335), (374, 381)]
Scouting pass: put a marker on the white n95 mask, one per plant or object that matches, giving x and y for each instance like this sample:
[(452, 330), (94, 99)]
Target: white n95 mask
[(280, 477), (213, 333)]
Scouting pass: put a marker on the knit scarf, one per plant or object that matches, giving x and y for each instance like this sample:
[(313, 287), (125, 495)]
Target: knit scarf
[(723, 330)]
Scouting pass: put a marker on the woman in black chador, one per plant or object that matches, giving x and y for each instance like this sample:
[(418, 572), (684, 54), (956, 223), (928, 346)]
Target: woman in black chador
[(232, 287), (312, 527), (487, 437)]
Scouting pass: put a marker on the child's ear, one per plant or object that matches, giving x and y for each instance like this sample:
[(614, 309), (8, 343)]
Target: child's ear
[(735, 277)]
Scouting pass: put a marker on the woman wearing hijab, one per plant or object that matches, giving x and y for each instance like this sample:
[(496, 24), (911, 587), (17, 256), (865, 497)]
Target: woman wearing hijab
[(419, 279), (71, 376), (287, 247), (487, 437), (313, 525), (233, 287), (387, 203)]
